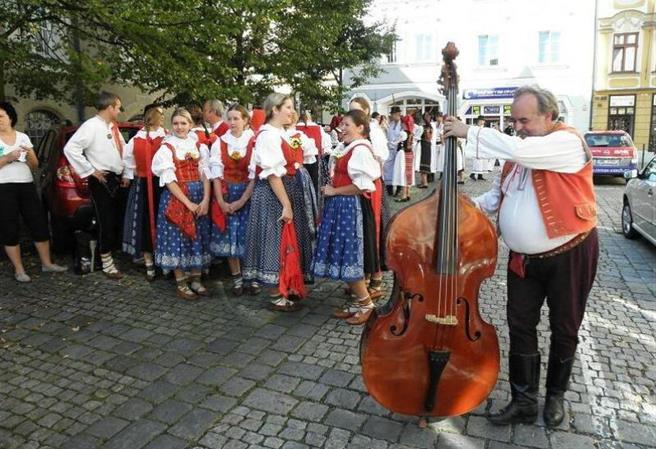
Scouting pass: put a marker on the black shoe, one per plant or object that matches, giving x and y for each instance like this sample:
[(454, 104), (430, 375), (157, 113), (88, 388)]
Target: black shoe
[(481, 178), (524, 382), (558, 373), (390, 190), (472, 176)]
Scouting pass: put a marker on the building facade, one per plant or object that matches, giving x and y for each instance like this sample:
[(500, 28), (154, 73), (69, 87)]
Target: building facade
[(503, 44), (625, 73), (35, 117)]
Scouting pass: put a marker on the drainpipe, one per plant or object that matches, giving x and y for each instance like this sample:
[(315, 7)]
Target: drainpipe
[(594, 64), (79, 96)]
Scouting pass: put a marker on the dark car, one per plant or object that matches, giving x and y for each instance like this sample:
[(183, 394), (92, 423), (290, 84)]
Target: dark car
[(613, 152), (65, 195)]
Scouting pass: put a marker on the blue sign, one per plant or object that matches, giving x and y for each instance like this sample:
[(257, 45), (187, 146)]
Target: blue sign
[(493, 92)]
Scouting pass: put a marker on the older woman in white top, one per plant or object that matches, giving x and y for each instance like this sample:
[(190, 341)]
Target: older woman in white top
[(18, 196)]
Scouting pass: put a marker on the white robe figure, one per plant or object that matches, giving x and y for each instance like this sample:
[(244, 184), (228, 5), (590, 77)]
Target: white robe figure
[(400, 177), (394, 131)]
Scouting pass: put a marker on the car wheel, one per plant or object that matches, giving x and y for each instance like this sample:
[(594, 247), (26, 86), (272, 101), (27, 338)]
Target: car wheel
[(627, 222)]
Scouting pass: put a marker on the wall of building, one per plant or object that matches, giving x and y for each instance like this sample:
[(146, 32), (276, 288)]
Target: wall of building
[(626, 93), (515, 23)]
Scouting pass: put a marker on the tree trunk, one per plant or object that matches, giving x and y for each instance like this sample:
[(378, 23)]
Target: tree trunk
[(3, 94)]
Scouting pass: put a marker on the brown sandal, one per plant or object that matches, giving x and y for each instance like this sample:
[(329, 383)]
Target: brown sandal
[(184, 292), (347, 311), (362, 315)]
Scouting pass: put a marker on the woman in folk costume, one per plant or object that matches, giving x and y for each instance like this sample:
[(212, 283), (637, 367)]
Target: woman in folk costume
[(183, 227), (381, 215), (310, 154), (280, 196), (425, 157), (139, 231), (404, 173), (346, 244), (233, 182)]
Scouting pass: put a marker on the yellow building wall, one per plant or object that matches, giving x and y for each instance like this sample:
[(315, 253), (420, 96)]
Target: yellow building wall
[(642, 84)]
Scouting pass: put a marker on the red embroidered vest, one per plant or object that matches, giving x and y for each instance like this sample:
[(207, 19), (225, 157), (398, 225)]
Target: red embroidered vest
[(186, 170), (566, 200), (235, 170), (144, 149), (341, 177), (292, 156)]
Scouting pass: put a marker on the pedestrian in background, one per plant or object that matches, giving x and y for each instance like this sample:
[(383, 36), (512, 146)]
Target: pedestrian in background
[(18, 197)]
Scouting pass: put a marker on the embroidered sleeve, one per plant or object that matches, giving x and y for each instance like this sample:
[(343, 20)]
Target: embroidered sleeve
[(74, 149), (268, 155), (163, 166), (363, 169), (490, 201), (560, 151)]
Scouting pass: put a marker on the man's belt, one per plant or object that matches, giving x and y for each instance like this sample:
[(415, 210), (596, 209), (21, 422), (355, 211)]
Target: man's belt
[(561, 249)]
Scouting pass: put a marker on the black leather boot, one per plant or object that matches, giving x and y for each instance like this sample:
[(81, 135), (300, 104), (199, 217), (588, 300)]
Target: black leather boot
[(524, 384), (558, 373)]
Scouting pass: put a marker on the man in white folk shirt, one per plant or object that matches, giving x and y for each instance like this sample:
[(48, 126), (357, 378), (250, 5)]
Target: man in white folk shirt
[(546, 208), (95, 153)]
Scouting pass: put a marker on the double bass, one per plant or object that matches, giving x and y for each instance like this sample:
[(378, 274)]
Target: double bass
[(428, 352)]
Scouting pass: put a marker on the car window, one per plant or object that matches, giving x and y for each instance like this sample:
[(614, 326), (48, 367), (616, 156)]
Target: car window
[(649, 172), (45, 147), (608, 140)]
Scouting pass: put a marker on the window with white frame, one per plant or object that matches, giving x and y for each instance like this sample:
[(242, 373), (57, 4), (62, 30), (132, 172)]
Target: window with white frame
[(391, 55), (549, 47), (424, 50), (488, 50)]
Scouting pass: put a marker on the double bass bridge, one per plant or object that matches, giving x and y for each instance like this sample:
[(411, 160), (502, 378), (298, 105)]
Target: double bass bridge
[(448, 320)]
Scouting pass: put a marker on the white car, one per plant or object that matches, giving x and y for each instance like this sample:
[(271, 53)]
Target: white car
[(639, 209)]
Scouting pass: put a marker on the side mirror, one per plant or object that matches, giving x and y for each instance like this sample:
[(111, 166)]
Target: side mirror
[(630, 174)]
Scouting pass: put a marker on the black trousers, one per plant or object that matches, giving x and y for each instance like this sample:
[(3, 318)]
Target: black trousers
[(107, 202), (19, 199), (565, 281)]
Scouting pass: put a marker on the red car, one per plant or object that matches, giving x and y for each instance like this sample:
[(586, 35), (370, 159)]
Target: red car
[(613, 152), (64, 194)]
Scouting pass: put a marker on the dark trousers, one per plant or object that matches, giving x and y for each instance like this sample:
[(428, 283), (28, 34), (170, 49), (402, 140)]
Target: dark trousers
[(19, 199), (106, 200), (565, 281)]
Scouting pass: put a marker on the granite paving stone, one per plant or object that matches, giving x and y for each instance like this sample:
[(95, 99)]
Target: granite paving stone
[(89, 363)]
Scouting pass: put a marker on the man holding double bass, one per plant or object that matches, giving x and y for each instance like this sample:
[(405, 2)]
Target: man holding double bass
[(546, 209)]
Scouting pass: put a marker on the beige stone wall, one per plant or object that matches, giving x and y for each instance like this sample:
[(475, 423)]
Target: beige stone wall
[(133, 101)]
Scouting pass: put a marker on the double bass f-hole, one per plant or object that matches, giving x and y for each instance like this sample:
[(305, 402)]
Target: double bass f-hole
[(408, 297), (477, 334)]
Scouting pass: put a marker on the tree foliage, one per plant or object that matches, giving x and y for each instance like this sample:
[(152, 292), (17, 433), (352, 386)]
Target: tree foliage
[(182, 49)]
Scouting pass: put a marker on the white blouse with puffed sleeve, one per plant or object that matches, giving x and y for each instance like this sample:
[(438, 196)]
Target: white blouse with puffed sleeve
[(268, 152), (163, 165), (363, 168), (235, 144)]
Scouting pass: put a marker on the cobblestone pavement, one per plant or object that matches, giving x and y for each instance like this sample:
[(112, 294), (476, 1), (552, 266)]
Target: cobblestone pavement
[(90, 363)]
